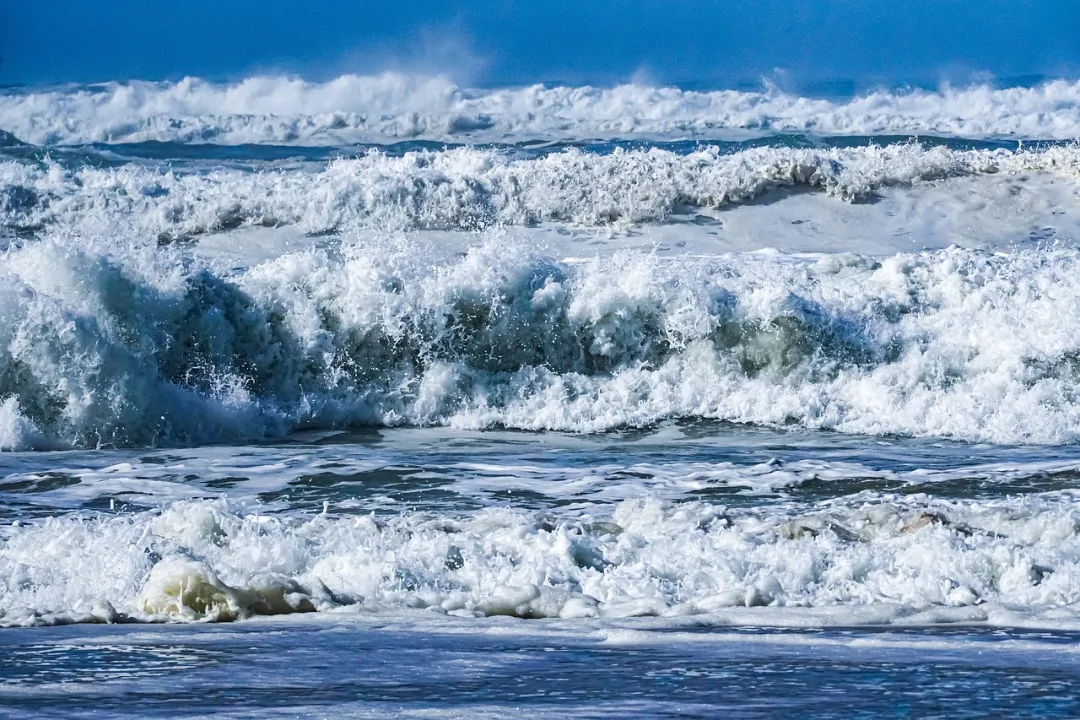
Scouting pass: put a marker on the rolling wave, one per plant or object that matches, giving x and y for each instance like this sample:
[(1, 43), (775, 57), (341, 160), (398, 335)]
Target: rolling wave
[(391, 107), (119, 345), (865, 562), (471, 188)]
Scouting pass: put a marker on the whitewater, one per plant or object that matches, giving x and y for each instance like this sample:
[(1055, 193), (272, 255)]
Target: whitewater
[(674, 387), (392, 106)]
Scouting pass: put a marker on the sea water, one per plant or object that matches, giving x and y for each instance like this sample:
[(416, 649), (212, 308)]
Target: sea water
[(388, 397)]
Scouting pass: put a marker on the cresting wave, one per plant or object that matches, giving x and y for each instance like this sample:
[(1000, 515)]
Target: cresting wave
[(390, 107), (880, 561), (108, 344), (470, 188)]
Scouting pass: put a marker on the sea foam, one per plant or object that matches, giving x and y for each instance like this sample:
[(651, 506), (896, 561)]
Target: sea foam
[(16, 432), (391, 107), (470, 188), (884, 560), (132, 345)]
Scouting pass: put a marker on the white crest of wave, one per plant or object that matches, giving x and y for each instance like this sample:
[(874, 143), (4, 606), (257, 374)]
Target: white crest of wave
[(120, 345), (891, 559), (16, 431), (392, 107), (470, 188)]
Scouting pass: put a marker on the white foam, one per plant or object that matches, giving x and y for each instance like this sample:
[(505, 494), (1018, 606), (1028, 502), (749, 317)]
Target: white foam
[(886, 559), (134, 345), (393, 107), (16, 431), (470, 189)]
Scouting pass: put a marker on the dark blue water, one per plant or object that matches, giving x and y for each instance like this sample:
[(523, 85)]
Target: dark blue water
[(380, 669)]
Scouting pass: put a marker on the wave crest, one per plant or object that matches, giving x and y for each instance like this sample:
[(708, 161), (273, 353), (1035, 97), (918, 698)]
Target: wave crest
[(469, 188), (138, 348), (389, 107)]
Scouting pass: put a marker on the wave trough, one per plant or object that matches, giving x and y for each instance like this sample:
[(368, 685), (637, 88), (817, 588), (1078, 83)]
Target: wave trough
[(871, 562)]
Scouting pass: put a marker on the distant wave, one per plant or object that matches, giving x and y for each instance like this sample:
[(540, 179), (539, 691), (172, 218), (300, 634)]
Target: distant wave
[(468, 188), (392, 107)]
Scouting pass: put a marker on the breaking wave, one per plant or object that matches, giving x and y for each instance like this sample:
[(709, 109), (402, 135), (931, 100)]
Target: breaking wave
[(349, 109), (881, 561), (111, 344), (471, 189)]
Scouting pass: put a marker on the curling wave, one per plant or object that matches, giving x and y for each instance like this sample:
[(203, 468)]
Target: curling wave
[(119, 345)]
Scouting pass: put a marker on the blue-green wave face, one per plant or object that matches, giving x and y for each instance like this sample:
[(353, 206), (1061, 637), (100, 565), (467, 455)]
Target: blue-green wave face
[(134, 347)]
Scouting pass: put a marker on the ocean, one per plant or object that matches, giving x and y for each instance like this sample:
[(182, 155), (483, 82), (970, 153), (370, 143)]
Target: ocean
[(389, 397)]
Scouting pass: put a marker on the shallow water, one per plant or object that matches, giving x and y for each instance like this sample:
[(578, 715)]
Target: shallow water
[(405, 669)]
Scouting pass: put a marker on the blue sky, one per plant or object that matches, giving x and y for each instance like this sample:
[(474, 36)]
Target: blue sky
[(708, 42)]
